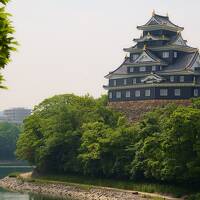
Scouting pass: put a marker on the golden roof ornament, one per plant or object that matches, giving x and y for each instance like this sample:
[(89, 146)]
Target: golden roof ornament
[(145, 47)]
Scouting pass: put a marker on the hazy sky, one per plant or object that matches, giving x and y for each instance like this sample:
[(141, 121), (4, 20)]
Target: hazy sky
[(68, 46)]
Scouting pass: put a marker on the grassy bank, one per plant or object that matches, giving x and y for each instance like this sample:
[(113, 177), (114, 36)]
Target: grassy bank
[(87, 182)]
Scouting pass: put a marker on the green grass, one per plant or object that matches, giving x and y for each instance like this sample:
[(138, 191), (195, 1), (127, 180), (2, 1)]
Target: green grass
[(87, 183), (14, 174)]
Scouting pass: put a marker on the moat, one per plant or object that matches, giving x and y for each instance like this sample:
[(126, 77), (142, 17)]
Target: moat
[(7, 195)]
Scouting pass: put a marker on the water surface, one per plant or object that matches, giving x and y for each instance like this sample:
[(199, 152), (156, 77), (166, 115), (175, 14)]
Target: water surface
[(6, 169)]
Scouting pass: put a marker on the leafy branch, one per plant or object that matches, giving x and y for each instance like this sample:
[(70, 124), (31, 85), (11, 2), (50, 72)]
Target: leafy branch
[(8, 43)]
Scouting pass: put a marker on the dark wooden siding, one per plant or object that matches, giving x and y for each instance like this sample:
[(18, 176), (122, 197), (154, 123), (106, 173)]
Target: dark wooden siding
[(186, 93)]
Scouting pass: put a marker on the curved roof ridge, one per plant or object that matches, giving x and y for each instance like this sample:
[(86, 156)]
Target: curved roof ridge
[(154, 56), (193, 60), (118, 67), (161, 21), (175, 38), (151, 37)]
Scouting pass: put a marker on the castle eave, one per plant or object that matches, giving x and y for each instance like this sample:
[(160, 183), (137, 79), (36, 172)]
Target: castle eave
[(175, 48), (151, 85), (158, 27)]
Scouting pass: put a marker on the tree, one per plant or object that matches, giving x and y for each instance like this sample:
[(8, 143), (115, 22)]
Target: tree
[(52, 134), (168, 148), (72, 134), (8, 137), (105, 150), (7, 40), (4, 1)]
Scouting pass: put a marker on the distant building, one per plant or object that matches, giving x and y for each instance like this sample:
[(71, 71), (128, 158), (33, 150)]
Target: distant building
[(3, 118), (15, 115)]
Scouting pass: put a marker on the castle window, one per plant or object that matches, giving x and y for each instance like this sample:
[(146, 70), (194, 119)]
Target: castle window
[(175, 54), (196, 92), (147, 93), (134, 80), (125, 81), (137, 93), (114, 82), (163, 92), (118, 95), (153, 68), (128, 94), (171, 78), (182, 78), (142, 69), (110, 95), (165, 54), (160, 67), (177, 92), (131, 69)]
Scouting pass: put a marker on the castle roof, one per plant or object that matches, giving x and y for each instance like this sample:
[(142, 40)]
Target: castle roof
[(183, 65), (158, 22), (150, 37), (169, 46), (145, 53)]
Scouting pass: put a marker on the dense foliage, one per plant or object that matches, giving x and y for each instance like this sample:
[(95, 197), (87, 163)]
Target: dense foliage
[(7, 41), (8, 137), (71, 134)]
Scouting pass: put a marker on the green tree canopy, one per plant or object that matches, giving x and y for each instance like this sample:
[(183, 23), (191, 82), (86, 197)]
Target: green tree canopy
[(72, 134), (52, 134), (4, 1), (8, 137)]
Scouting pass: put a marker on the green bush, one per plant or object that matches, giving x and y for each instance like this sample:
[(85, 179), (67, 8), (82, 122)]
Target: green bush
[(14, 174), (194, 197)]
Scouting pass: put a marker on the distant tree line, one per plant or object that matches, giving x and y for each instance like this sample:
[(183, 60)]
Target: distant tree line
[(9, 134), (72, 134)]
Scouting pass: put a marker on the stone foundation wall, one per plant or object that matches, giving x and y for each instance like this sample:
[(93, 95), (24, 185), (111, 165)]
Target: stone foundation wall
[(134, 110)]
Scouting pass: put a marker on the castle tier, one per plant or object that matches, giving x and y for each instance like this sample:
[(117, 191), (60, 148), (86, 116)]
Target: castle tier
[(160, 66)]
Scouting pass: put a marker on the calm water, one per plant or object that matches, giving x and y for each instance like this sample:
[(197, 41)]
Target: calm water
[(6, 195)]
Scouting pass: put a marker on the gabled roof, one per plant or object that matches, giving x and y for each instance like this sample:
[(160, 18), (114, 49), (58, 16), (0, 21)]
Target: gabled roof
[(178, 40), (185, 62), (149, 37), (160, 22), (195, 62), (146, 57), (152, 78)]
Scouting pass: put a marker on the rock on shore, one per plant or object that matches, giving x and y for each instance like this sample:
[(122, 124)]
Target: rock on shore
[(72, 191)]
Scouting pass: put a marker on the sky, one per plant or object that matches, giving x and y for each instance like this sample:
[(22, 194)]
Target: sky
[(68, 46)]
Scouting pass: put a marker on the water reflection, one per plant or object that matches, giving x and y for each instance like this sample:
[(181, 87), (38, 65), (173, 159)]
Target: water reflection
[(5, 170), (7, 195)]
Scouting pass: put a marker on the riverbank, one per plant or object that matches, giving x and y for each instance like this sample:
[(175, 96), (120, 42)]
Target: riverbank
[(75, 191)]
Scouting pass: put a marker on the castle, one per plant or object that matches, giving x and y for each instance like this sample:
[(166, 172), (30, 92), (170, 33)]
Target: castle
[(160, 67)]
